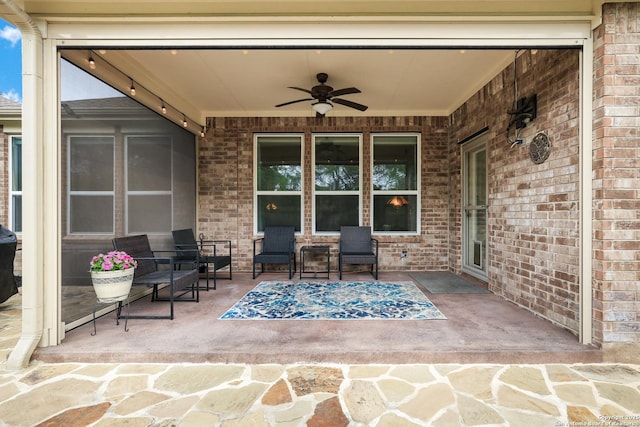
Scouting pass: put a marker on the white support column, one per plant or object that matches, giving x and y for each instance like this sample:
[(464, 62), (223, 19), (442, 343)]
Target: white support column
[(52, 271), (586, 192)]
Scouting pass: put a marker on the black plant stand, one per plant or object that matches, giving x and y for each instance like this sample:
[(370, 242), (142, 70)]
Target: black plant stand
[(118, 312)]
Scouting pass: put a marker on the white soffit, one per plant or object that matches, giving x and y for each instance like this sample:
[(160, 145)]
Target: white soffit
[(311, 7)]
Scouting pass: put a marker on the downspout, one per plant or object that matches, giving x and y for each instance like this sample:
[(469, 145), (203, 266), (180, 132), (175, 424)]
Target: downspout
[(32, 235)]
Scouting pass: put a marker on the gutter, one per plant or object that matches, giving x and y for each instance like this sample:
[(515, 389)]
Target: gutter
[(33, 283)]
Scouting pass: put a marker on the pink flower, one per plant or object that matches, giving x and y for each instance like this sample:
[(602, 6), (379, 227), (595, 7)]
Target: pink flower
[(114, 260)]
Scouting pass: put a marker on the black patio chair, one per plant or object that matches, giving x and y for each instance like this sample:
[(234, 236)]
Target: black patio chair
[(358, 247), (216, 253), (278, 247), (150, 272)]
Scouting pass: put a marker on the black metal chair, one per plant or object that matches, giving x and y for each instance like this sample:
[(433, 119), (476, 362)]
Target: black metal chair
[(358, 247), (150, 272), (278, 247), (211, 252)]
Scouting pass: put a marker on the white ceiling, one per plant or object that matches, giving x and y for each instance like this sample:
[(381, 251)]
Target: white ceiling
[(233, 82)]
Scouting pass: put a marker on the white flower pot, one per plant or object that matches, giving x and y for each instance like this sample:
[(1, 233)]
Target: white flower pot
[(112, 286)]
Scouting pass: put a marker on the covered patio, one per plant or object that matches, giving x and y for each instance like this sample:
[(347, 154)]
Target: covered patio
[(526, 211), (480, 328)]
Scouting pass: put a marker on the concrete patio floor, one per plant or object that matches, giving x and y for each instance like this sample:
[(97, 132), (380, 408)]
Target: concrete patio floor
[(448, 394), (480, 328)]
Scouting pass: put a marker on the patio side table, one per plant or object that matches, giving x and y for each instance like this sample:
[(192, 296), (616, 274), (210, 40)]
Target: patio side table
[(323, 250)]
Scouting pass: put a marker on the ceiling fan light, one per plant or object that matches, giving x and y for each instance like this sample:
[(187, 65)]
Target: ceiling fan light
[(322, 107)]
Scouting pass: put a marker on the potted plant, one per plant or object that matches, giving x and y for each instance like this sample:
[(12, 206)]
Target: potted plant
[(112, 275)]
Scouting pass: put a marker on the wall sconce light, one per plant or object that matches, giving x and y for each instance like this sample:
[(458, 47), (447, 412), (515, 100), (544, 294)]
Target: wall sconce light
[(526, 109), (271, 207), (397, 201)]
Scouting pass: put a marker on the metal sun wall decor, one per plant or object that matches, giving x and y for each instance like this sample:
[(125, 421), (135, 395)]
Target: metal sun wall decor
[(539, 148)]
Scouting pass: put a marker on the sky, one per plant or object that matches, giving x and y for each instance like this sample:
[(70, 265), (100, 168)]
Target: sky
[(10, 62), (83, 85)]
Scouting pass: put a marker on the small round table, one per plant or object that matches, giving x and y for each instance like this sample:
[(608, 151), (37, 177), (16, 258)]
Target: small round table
[(324, 250)]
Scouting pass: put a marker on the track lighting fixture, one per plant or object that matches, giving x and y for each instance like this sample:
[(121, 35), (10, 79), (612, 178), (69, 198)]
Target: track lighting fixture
[(110, 74)]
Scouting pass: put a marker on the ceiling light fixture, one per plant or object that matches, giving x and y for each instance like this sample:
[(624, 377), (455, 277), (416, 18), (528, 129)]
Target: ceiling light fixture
[(92, 62), (202, 132), (163, 108), (184, 121), (322, 107), (132, 89)]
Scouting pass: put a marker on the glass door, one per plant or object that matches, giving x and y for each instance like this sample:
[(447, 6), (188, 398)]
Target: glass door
[(475, 206)]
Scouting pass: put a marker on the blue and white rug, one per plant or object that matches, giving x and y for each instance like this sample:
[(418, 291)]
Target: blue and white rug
[(334, 300)]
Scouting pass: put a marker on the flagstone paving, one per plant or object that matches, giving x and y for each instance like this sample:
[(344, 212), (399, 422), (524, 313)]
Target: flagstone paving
[(332, 395)]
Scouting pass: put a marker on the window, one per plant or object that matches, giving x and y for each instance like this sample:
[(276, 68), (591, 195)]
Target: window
[(395, 183), (149, 179), (337, 176), (15, 202), (278, 181), (91, 195)]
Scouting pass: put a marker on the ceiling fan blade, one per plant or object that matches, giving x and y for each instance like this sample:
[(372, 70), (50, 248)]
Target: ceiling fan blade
[(293, 102), (300, 88), (345, 91), (349, 104)]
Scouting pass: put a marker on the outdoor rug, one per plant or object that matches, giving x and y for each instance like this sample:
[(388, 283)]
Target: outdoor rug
[(443, 282), (334, 300)]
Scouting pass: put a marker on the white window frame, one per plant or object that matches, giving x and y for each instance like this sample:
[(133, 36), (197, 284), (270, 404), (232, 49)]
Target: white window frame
[(89, 193), (125, 167), (315, 193), (257, 192), (417, 192), (13, 193)]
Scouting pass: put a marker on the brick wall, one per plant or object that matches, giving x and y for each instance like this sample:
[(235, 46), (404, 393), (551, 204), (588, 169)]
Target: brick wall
[(225, 174), (616, 181), (533, 215), (533, 209)]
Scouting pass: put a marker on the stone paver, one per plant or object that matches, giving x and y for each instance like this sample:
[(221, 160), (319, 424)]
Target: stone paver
[(315, 395)]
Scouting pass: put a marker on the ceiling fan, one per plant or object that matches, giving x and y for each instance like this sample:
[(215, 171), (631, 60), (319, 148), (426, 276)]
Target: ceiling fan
[(324, 95)]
